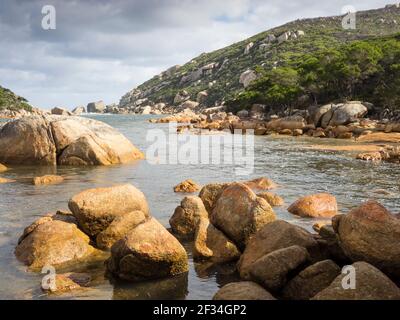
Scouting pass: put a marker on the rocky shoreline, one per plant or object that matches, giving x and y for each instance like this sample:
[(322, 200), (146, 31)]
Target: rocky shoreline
[(344, 121)]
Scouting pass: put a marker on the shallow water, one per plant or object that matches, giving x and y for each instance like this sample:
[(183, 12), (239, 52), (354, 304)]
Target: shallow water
[(284, 159)]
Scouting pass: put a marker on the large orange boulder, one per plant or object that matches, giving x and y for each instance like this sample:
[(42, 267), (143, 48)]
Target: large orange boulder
[(370, 284), (371, 233), (52, 242), (148, 251), (186, 217), (239, 213), (212, 245), (273, 236), (95, 209), (315, 206)]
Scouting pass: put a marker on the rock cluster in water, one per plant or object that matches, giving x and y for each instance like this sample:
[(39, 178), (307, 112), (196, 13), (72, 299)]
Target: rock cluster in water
[(279, 260), (115, 218), (58, 140), (226, 222)]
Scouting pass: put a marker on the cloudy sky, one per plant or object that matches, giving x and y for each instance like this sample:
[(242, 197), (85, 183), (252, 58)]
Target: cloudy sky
[(101, 49)]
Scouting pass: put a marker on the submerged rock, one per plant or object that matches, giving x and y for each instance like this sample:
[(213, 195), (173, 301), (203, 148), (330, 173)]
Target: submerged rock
[(370, 284), (187, 186), (95, 209), (239, 213), (187, 216), (314, 206), (274, 236), (261, 184), (211, 244), (371, 233), (272, 269), (210, 193), (273, 199), (245, 290), (51, 140), (148, 251), (48, 179), (53, 242), (67, 282)]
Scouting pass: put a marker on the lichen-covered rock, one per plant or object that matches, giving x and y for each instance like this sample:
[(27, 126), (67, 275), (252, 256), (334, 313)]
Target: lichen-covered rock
[(48, 179), (148, 251), (371, 233), (261, 184), (314, 206), (311, 280), (210, 193), (245, 290), (186, 217), (211, 244), (272, 269), (187, 186), (239, 213), (53, 242), (274, 236), (370, 284), (118, 228), (95, 209)]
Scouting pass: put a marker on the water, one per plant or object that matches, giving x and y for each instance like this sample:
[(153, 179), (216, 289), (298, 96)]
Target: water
[(296, 170)]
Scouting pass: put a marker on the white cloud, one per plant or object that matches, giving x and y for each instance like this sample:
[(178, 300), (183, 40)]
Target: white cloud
[(102, 49)]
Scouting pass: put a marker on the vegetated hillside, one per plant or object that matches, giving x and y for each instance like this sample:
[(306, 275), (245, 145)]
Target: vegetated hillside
[(218, 72), (9, 100)]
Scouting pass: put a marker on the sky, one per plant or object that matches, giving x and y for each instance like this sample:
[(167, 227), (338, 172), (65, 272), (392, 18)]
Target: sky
[(99, 49)]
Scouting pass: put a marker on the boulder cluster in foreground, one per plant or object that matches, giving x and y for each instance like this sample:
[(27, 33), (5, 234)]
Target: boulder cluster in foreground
[(279, 260), (115, 218), (59, 140), (226, 222)]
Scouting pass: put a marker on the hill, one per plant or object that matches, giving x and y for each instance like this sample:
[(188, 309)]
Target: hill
[(10, 101), (221, 75)]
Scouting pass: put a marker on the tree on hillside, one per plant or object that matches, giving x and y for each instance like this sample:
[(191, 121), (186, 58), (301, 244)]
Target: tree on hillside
[(387, 90)]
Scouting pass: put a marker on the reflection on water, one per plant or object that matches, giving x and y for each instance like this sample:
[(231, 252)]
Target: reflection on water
[(296, 170)]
